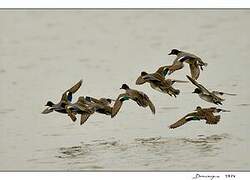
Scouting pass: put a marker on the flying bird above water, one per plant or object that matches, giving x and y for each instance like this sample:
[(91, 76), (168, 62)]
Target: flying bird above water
[(102, 105), (206, 114), (66, 99), (206, 95), (195, 63), (139, 97), (158, 82), (80, 107)]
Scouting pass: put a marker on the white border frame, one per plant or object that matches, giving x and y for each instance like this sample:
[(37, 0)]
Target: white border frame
[(124, 3)]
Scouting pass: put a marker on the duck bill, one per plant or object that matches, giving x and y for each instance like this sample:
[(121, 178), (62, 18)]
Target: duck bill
[(46, 111)]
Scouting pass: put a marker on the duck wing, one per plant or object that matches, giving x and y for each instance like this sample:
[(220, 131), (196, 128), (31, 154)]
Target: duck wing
[(163, 70), (67, 95), (70, 114), (195, 70), (104, 101), (184, 120), (101, 101), (84, 118), (202, 88), (150, 104), (153, 78), (177, 81), (118, 103), (175, 66), (219, 93), (140, 80), (211, 119), (178, 123), (181, 122)]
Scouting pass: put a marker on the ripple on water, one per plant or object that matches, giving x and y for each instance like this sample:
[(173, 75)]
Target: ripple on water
[(244, 104), (72, 152), (169, 151), (26, 67), (2, 71), (6, 111)]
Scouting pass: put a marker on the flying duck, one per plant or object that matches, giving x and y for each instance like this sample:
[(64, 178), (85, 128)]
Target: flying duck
[(80, 107), (195, 63), (206, 95), (200, 113), (66, 99), (158, 82), (139, 97), (102, 105)]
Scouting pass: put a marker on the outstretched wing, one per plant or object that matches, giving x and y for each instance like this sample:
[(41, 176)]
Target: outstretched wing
[(150, 77), (70, 114), (150, 104), (75, 87), (67, 95), (179, 123), (219, 93), (178, 81), (195, 70), (202, 88), (175, 66), (84, 118), (140, 80), (184, 120), (163, 70), (94, 100), (118, 103)]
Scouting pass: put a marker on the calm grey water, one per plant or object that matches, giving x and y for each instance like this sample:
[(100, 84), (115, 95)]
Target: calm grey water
[(42, 53)]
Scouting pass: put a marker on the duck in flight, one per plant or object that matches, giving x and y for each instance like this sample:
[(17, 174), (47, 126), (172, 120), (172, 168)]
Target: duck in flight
[(195, 62), (158, 82), (205, 94), (102, 105), (139, 97), (66, 99), (80, 107), (206, 114)]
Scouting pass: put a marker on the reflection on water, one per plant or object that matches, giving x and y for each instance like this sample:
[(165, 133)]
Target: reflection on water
[(72, 152), (148, 151), (244, 104), (6, 111)]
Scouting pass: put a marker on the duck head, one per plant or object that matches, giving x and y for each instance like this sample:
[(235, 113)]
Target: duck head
[(198, 108), (125, 86), (174, 52), (109, 100), (143, 73), (197, 91), (49, 103)]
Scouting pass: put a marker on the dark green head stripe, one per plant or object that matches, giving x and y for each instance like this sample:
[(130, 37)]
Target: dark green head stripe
[(124, 98)]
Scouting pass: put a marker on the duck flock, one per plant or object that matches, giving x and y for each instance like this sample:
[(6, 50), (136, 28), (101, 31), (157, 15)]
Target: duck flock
[(86, 106)]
